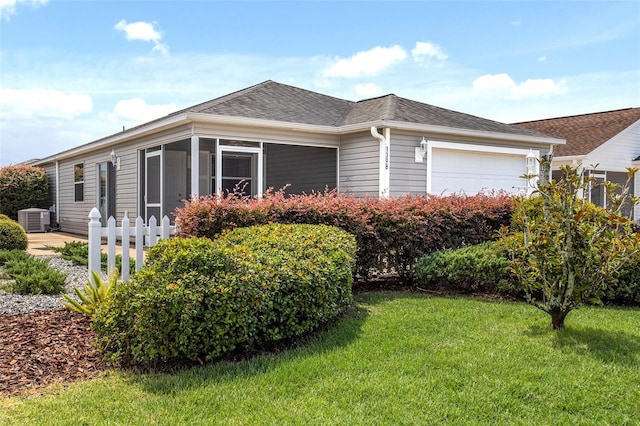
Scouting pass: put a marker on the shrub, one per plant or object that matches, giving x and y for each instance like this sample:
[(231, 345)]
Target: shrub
[(478, 268), (197, 299), (30, 275), (22, 187), (12, 235), (626, 287), (573, 250), (391, 234)]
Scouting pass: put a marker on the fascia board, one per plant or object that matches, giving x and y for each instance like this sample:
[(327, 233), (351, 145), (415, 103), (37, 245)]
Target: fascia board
[(351, 128), (117, 138), (473, 133), (570, 157), (191, 117)]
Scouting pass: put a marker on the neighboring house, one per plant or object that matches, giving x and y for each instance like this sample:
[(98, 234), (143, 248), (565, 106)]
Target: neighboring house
[(271, 135), (605, 144)]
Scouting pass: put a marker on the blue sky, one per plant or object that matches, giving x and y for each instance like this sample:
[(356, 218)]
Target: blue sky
[(74, 71)]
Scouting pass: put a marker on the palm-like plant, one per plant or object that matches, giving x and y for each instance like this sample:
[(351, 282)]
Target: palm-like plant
[(92, 294)]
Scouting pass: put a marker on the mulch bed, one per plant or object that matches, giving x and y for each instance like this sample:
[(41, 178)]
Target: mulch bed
[(42, 348)]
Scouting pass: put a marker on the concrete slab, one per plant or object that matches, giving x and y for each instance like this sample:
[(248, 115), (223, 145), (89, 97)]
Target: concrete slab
[(39, 242)]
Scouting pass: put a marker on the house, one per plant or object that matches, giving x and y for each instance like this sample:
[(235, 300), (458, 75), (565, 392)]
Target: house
[(271, 135), (604, 143)]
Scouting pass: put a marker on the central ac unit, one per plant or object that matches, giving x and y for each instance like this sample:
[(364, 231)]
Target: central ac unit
[(34, 220)]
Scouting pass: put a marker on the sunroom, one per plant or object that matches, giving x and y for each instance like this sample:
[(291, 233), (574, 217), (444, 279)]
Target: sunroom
[(169, 174)]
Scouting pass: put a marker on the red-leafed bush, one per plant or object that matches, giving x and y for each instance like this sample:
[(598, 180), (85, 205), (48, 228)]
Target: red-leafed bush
[(391, 234)]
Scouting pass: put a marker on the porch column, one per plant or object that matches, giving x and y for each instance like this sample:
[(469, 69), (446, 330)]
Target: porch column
[(195, 167)]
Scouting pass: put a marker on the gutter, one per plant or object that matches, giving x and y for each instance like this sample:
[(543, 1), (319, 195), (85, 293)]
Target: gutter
[(191, 117)]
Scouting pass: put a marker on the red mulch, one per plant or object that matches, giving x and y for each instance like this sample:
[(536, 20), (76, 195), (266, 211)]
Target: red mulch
[(42, 348)]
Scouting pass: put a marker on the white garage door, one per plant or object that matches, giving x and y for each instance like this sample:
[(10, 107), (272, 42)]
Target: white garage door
[(469, 172)]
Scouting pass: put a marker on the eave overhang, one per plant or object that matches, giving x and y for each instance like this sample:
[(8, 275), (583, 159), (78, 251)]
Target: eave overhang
[(204, 118)]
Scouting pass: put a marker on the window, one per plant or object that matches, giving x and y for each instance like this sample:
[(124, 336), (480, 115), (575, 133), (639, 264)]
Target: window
[(78, 182)]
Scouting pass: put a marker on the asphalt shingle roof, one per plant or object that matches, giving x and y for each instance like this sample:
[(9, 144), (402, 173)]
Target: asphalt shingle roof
[(585, 132), (280, 102)]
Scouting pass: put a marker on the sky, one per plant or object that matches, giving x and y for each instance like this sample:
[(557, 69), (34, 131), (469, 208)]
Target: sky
[(73, 71)]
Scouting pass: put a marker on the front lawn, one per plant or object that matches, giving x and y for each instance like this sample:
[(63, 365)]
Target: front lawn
[(397, 359)]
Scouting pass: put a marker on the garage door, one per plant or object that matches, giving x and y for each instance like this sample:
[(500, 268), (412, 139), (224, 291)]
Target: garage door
[(469, 172)]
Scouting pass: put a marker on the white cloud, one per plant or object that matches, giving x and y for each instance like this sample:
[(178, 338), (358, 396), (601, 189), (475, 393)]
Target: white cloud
[(538, 88), (143, 31), (34, 103), (426, 50), (542, 59), (516, 23), (367, 90), (8, 7), (528, 89), (137, 111), (367, 63), (493, 82)]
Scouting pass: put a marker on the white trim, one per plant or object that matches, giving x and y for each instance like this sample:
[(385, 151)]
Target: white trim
[(195, 166), (191, 118), (147, 155), (337, 167), (431, 144), (58, 193), (221, 149)]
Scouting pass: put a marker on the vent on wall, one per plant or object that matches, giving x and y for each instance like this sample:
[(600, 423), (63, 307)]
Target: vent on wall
[(34, 220)]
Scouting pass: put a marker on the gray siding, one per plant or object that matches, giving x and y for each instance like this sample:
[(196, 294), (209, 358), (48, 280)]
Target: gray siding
[(305, 169), (407, 176), (74, 215), (359, 164), (50, 170)]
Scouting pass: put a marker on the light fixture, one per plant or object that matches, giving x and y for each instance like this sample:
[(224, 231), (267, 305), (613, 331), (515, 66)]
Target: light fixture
[(115, 161), (531, 161), (423, 146)]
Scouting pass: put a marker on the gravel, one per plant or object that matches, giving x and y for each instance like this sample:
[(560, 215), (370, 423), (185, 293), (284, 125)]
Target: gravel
[(21, 304)]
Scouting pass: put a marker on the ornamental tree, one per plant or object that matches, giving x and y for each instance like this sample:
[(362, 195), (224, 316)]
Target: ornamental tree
[(572, 248)]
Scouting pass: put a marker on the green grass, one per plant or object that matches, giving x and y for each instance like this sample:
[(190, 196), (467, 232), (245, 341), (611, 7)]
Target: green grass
[(397, 359)]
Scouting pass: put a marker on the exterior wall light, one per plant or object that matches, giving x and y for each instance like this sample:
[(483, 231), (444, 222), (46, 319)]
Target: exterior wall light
[(421, 151), (115, 160), (531, 162)]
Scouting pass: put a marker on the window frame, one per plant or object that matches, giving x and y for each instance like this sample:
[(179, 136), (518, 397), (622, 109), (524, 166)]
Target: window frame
[(78, 185)]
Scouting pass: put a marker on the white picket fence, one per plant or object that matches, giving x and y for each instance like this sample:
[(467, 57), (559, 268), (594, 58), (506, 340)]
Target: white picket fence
[(143, 236)]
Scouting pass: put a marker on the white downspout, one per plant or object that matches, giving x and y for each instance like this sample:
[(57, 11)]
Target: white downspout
[(383, 172), (57, 194)]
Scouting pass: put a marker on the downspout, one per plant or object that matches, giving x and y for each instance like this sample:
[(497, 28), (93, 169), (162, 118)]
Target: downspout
[(57, 194), (383, 172)]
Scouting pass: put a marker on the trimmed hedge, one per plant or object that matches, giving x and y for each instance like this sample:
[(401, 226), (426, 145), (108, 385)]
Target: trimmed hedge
[(391, 234), (485, 268), (479, 268), (12, 235), (198, 299), (22, 187)]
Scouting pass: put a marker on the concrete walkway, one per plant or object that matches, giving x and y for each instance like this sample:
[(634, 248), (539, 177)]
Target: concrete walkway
[(40, 241)]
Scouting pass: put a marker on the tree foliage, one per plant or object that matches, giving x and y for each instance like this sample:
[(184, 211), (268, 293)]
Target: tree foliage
[(22, 187), (572, 249)]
